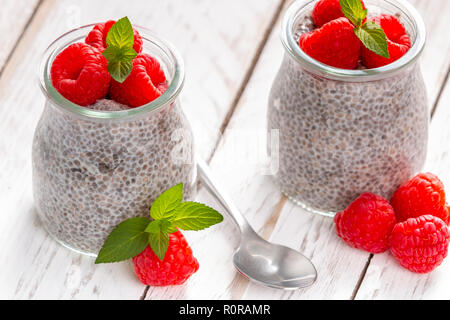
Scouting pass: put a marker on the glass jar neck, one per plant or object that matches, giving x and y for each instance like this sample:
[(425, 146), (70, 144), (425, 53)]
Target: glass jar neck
[(410, 17), (170, 60)]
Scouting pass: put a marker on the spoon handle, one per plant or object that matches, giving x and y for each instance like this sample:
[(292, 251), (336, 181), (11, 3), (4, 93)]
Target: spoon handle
[(210, 182)]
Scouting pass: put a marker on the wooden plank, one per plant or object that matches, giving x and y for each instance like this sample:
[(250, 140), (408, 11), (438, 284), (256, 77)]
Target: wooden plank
[(14, 16), (385, 278), (436, 56), (224, 34)]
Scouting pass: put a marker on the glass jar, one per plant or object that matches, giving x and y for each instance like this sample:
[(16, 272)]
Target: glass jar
[(93, 169), (346, 132)]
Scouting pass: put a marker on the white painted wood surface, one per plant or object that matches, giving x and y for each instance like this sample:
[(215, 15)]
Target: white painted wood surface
[(226, 39), (436, 56), (229, 74), (14, 16)]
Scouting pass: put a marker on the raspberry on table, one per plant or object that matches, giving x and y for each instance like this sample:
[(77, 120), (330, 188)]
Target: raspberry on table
[(420, 244), (367, 223), (327, 10), (97, 36), (422, 195), (145, 83), (176, 267), (334, 44), (397, 38), (79, 73)]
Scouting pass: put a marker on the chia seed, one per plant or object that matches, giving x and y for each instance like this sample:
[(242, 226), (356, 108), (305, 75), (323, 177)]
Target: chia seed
[(89, 176)]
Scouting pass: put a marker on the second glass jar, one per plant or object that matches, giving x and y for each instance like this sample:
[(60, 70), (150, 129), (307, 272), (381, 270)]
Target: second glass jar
[(346, 132)]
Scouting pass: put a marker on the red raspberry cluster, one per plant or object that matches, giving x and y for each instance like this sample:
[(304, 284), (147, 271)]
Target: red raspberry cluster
[(334, 42), (80, 74), (413, 225)]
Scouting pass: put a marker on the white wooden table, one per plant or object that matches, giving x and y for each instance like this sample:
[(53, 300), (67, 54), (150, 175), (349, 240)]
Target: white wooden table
[(232, 53)]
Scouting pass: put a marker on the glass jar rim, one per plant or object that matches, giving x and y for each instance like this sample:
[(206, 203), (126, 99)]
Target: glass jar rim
[(169, 95), (292, 47)]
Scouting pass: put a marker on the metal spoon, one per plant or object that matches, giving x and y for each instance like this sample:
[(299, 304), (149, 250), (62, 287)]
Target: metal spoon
[(263, 262)]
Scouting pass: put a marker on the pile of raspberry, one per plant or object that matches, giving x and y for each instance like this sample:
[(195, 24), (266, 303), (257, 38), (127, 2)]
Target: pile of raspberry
[(413, 225), (333, 41), (80, 74)]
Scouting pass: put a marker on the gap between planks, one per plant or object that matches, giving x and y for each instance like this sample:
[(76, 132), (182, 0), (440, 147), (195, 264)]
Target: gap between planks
[(361, 277), (19, 38), (232, 108), (440, 92)]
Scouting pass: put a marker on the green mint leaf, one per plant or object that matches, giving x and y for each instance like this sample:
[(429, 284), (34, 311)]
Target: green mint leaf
[(158, 237), (119, 50), (373, 38), (119, 70), (353, 10), (126, 241), (121, 34), (153, 227), (165, 205), (159, 242), (195, 216), (162, 225), (113, 53)]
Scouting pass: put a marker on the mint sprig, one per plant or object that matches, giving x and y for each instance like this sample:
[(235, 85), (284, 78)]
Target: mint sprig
[(169, 214), (371, 34), (119, 49)]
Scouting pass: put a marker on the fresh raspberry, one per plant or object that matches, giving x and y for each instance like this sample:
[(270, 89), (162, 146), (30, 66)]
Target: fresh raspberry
[(423, 194), (393, 28), (79, 73), (398, 42), (367, 223), (145, 83), (334, 44), (420, 244), (326, 11), (97, 36), (176, 267)]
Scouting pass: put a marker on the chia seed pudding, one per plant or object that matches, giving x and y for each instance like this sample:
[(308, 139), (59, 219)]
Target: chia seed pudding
[(346, 132), (95, 167)]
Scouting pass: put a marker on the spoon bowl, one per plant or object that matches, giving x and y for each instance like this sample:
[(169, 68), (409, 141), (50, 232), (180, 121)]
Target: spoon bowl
[(273, 265), (260, 261)]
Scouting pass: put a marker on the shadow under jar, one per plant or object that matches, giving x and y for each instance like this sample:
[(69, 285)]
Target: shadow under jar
[(346, 132), (93, 169)]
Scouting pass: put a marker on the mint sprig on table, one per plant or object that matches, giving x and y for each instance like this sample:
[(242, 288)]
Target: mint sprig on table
[(371, 34), (119, 49), (169, 213)]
